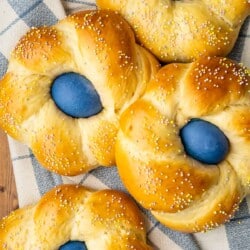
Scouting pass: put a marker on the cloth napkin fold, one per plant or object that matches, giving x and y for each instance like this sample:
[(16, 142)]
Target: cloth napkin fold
[(32, 181)]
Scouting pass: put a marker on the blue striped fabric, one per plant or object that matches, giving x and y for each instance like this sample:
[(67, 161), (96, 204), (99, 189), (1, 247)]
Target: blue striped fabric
[(88, 3), (238, 230), (39, 9), (28, 13), (44, 178), (35, 14), (236, 53), (3, 64)]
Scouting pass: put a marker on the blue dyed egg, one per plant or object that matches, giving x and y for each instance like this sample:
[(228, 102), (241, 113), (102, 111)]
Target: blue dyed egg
[(75, 95), (204, 141), (74, 245)]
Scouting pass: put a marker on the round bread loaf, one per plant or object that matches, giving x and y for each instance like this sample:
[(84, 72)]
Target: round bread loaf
[(183, 148), (182, 31), (66, 86), (73, 217)]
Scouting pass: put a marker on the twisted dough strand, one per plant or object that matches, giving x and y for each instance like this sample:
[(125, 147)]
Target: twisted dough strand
[(181, 192), (104, 219), (183, 30)]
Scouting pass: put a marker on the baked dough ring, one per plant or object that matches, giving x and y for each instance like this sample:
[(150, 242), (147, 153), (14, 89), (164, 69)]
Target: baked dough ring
[(182, 193), (183, 30), (97, 44), (105, 219)]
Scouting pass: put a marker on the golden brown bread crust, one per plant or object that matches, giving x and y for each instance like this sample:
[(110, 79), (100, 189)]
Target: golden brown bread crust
[(183, 30), (105, 219), (181, 192), (97, 44)]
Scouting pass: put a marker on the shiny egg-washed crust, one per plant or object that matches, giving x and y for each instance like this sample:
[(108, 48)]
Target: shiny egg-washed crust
[(182, 31), (106, 219), (97, 44), (181, 192)]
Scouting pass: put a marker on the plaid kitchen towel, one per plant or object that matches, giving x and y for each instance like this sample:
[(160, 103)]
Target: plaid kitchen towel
[(32, 181)]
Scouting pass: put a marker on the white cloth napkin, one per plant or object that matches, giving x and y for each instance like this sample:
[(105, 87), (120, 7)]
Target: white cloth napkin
[(32, 181)]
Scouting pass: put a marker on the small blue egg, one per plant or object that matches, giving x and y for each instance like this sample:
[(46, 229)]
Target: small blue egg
[(204, 141), (75, 95), (74, 245)]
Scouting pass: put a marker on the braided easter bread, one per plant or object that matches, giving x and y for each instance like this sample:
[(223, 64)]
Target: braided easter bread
[(66, 86), (183, 30), (71, 215), (183, 148)]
